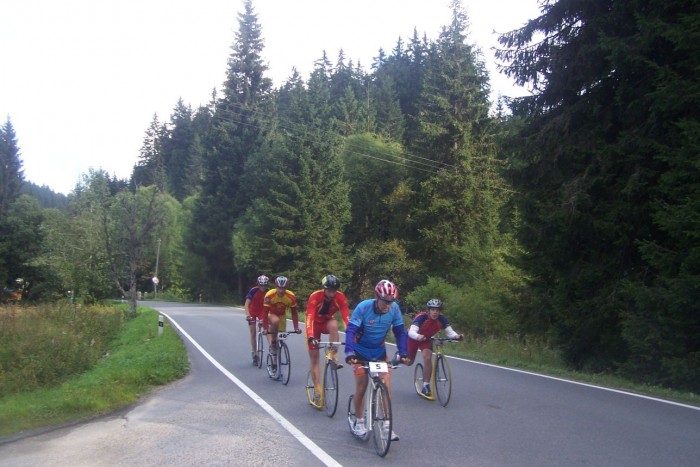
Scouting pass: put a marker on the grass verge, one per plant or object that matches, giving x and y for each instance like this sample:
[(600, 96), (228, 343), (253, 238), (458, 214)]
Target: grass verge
[(137, 361)]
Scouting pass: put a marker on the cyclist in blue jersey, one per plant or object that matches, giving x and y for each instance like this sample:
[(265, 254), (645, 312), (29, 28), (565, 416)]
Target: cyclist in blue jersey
[(364, 340)]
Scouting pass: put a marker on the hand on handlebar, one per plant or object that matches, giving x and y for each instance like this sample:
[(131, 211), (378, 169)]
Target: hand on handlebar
[(298, 331), (312, 341)]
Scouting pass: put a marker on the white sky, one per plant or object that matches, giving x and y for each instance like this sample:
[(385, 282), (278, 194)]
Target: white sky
[(82, 79)]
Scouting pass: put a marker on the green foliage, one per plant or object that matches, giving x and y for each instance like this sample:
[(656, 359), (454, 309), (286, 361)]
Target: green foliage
[(608, 180), (41, 347), (474, 311), (136, 360)]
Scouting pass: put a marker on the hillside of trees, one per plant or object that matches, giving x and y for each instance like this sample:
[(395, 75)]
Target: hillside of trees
[(571, 214)]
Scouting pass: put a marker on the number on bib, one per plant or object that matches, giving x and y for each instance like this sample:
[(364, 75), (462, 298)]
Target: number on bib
[(378, 367)]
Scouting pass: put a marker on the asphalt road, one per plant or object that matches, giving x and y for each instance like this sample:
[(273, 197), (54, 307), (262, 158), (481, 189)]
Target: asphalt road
[(228, 412)]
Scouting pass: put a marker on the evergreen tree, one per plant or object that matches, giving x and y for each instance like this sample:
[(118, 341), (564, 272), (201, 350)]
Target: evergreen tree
[(457, 211), (295, 225), (239, 126), (607, 170), (11, 173)]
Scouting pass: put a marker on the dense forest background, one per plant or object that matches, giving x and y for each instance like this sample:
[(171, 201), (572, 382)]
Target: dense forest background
[(572, 214)]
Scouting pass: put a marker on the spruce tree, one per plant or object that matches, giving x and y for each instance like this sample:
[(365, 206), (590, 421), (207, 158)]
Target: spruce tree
[(606, 165), (240, 121)]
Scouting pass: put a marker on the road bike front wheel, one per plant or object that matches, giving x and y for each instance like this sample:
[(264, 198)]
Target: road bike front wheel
[(381, 420), (261, 348), (330, 388), (443, 380), (418, 378), (284, 364)]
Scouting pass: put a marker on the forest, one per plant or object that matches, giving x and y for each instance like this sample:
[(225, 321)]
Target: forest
[(571, 214)]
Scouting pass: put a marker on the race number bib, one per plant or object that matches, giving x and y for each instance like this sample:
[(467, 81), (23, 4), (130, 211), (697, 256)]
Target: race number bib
[(378, 367)]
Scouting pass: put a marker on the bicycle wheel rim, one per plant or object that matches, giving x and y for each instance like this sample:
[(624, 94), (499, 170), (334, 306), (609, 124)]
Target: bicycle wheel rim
[(418, 378), (310, 392), (261, 348), (270, 372), (351, 414), (381, 413), (330, 388), (443, 380), (284, 365)]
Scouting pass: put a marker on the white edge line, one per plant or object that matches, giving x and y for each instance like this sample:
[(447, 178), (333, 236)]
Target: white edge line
[(322, 455), (588, 385)]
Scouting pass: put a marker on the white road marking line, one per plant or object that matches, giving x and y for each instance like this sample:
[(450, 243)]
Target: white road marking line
[(322, 455)]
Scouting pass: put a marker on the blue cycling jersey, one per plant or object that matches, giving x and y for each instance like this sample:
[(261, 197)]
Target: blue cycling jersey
[(367, 330)]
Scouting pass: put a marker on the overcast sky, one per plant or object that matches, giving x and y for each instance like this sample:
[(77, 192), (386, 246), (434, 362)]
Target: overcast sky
[(81, 79)]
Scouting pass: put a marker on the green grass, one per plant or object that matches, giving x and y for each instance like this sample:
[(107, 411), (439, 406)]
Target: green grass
[(136, 361)]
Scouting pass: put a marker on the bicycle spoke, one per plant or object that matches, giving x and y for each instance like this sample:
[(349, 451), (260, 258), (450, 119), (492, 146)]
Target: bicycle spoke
[(418, 378), (284, 365), (443, 383), (381, 420), (330, 388)]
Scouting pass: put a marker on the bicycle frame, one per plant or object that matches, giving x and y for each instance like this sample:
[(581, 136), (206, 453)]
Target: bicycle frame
[(437, 359), (374, 371), (320, 404)]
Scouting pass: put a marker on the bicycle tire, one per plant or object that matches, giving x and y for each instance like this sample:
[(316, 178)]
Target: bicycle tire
[(352, 417), (330, 388), (418, 378), (443, 380), (284, 364), (381, 414), (272, 373), (261, 349)]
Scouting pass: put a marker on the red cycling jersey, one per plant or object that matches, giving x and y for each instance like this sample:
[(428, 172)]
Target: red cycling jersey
[(319, 311)]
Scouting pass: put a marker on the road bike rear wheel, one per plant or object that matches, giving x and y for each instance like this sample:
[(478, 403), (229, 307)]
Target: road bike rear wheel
[(272, 369), (261, 348), (443, 380), (330, 388), (352, 417), (418, 378), (284, 364), (381, 420), (311, 394)]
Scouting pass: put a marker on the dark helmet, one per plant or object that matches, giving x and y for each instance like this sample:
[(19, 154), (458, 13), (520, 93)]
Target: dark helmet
[(434, 303), (281, 282), (263, 280), (386, 290), (331, 282)]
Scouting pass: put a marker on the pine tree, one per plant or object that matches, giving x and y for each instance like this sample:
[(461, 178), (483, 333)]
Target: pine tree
[(11, 173), (607, 170), (240, 121)]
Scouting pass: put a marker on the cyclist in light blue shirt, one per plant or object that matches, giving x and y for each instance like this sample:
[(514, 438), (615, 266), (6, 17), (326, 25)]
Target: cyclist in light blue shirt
[(365, 340)]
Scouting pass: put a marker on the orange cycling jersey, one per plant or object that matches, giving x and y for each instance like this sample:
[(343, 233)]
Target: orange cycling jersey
[(278, 304), (319, 311)]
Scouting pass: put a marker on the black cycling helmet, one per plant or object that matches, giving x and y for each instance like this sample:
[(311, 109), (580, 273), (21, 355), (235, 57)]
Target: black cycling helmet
[(331, 282), (434, 303)]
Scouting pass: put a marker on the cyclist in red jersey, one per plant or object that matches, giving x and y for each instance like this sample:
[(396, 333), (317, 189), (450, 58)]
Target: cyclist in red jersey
[(425, 325), (320, 319), (254, 310)]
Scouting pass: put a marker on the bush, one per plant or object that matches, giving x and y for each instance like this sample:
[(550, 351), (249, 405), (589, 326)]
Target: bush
[(41, 346), (473, 310)]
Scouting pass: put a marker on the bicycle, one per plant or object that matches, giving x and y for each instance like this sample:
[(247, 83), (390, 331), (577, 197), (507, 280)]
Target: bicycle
[(378, 413), (280, 370), (328, 397), (261, 344), (441, 376)]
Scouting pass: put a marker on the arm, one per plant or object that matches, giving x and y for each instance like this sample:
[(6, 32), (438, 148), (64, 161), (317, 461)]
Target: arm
[(350, 340), (344, 311), (413, 333), (401, 339), (295, 318), (452, 334), (247, 307)]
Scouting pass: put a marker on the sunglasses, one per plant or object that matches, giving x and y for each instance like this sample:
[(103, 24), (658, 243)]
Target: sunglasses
[(385, 300)]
